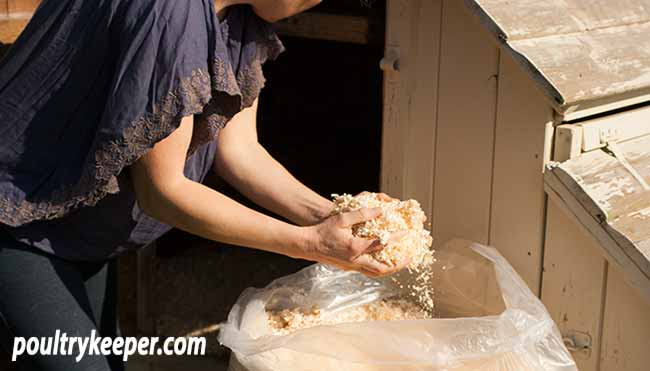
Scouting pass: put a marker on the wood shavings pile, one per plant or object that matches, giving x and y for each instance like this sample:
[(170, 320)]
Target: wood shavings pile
[(289, 320), (397, 216)]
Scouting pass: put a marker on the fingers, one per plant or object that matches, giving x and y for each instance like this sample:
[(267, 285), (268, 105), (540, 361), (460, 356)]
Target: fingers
[(367, 264), (359, 216), (362, 246), (384, 197), (397, 236), (376, 245)]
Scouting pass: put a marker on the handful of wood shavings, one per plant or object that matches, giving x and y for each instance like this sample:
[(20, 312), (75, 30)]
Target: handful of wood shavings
[(397, 216), (286, 321)]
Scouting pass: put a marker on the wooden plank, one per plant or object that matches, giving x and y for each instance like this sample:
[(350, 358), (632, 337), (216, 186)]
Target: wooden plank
[(582, 55), (568, 142), (410, 97), (323, 26), (396, 97), (574, 275), (573, 282), (423, 84), (465, 135), (592, 65), (518, 201), (22, 6), (619, 127), (520, 19), (626, 330), (604, 178), (10, 29)]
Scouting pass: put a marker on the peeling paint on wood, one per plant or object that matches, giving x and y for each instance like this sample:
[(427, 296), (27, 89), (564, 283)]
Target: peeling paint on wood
[(577, 51), (614, 206)]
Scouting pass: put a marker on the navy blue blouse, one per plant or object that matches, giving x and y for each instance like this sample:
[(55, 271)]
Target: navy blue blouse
[(90, 86)]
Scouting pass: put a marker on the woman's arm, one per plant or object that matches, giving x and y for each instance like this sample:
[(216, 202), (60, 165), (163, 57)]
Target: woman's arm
[(163, 192), (248, 167)]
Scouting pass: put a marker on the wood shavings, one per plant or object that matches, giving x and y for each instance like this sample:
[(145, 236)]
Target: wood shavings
[(394, 309), (397, 216)]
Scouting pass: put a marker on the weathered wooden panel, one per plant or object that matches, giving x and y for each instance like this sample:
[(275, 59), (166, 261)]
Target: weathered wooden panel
[(573, 282), (410, 99), (530, 18), (518, 201), (626, 330), (608, 196), (396, 96), (575, 272), (465, 138), (582, 54), (421, 124)]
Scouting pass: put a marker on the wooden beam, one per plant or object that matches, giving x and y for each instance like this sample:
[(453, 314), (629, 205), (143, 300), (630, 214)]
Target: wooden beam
[(322, 26), (22, 6), (10, 29)]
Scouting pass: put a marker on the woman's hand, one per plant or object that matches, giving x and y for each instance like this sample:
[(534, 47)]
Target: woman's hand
[(333, 243)]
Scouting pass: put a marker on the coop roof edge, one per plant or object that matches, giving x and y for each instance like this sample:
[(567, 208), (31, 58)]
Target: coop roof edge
[(562, 103)]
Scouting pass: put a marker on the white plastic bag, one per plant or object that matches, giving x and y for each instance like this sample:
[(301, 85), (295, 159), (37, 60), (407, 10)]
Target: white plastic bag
[(489, 320)]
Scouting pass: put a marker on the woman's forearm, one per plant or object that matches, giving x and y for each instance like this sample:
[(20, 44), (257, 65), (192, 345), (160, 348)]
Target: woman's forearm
[(199, 210), (258, 176)]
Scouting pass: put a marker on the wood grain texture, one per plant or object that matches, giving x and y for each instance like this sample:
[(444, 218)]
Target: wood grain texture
[(578, 52), (396, 98), (465, 137), (518, 201), (422, 115), (573, 282), (322, 26), (22, 6), (523, 19), (10, 29), (575, 272), (626, 331), (410, 100)]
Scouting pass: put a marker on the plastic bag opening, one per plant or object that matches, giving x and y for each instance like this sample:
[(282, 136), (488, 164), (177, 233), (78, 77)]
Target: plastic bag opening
[(487, 319)]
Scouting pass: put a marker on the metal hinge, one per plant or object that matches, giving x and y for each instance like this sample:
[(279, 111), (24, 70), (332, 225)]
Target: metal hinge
[(578, 343)]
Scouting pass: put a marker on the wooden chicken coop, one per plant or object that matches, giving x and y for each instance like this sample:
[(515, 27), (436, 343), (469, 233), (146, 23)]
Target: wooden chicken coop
[(524, 125)]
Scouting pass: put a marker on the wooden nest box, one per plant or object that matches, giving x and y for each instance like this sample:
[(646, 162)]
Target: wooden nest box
[(525, 125)]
